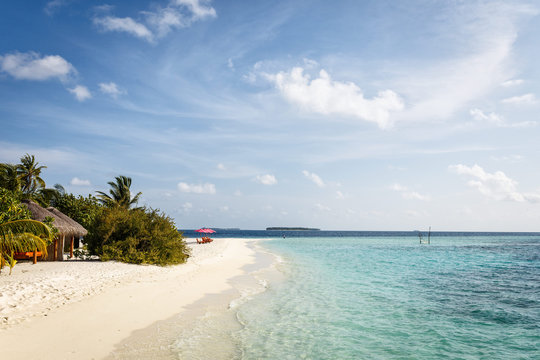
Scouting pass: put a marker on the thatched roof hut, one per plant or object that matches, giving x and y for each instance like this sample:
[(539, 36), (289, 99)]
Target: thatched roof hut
[(38, 213), (81, 231), (65, 225)]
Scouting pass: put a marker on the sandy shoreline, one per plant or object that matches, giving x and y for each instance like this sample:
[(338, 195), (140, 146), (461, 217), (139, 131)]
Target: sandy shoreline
[(83, 309)]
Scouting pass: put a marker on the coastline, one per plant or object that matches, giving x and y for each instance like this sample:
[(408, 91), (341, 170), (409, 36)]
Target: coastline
[(92, 326), (209, 327)]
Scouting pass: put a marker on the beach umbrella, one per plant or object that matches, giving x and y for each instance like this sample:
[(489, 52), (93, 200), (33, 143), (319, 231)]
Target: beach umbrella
[(205, 231)]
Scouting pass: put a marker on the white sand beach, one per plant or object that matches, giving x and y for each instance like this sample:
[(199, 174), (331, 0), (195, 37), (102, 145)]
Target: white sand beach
[(81, 309)]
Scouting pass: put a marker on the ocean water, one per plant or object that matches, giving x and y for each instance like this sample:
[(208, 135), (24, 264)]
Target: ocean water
[(385, 296)]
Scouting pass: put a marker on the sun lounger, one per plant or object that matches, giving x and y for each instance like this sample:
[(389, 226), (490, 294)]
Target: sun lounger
[(25, 255)]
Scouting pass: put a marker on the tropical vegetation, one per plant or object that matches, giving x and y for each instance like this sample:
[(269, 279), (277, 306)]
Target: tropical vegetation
[(139, 236), (117, 230), (18, 232), (120, 194), (25, 181)]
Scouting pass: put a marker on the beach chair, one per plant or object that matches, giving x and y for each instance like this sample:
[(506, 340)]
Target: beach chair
[(28, 255)]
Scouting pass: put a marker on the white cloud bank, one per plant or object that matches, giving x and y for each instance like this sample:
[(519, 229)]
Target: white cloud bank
[(81, 92), (266, 179), (408, 194), (329, 97), (314, 177), (206, 188), (158, 23), (33, 66), (79, 182), (489, 31), (496, 186)]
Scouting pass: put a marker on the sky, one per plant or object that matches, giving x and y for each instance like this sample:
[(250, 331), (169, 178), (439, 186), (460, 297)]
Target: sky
[(339, 115)]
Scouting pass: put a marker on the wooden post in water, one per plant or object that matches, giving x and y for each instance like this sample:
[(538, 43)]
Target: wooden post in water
[(429, 236)]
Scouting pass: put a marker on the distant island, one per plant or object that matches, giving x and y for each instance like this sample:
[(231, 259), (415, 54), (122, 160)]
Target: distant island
[(292, 229)]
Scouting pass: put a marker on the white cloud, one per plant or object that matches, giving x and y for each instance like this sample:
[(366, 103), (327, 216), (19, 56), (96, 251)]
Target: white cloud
[(525, 99), (164, 20), (31, 66), (206, 188), (314, 177), (511, 158), (111, 89), (408, 194), (187, 206), (497, 185), (266, 179), (79, 182), (198, 8), (221, 167), (230, 64), (479, 115), (322, 207), (224, 208), (127, 24), (490, 31), (512, 82), (325, 96), (52, 6), (81, 92), (339, 195), (160, 21), (415, 196), (398, 187), (498, 120)]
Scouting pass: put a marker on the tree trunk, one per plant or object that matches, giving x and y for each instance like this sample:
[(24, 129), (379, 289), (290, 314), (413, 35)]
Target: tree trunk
[(55, 253)]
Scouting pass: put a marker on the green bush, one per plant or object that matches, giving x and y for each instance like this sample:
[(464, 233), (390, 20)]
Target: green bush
[(84, 210), (138, 236)]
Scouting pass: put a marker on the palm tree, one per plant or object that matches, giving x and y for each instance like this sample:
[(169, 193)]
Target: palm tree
[(29, 174), (49, 196), (22, 235), (120, 193), (9, 178)]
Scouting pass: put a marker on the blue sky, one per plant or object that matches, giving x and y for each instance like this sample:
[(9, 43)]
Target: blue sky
[(361, 115)]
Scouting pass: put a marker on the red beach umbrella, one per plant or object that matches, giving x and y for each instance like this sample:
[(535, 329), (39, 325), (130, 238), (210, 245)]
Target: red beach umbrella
[(205, 231)]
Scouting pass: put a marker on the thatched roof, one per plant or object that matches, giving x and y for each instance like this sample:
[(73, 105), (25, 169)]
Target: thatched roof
[(81, 231), (39, 214)]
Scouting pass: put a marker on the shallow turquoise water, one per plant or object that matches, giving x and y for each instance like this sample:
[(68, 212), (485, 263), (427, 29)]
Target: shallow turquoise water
[(462, 297)]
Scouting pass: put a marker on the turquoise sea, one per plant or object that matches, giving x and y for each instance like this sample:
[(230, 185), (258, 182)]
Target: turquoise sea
[(386, 296)]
